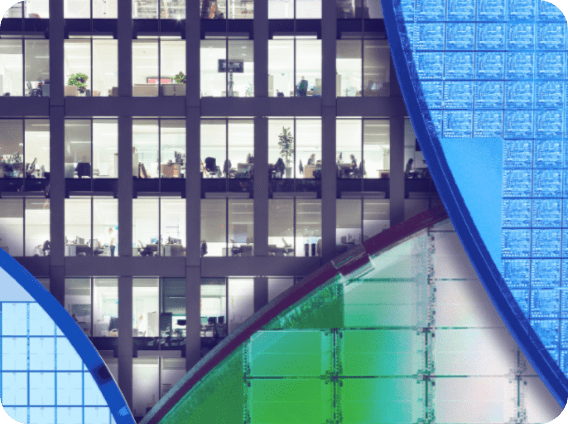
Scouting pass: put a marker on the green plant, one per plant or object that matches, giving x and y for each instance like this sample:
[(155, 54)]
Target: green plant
[(79, 80), (180, 78), (286, 144)]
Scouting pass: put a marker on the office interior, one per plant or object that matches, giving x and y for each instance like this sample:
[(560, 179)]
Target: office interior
[(186, 190)]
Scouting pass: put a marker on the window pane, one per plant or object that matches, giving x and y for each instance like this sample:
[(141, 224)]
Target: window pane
[(105, 148), (241, 227), (281, 9), (213, 312), (349, 8), (15, 11), (77, 68), (78, 302), (146, 226), (145, 68), (36, 9), (276, 286), (145, 307), (241, 9), (145, 139), (213, 227), (105, 9), (241, 301), (348, 228), (308, 9), (349, 68), (308, 67), (213, 9), (11, 71), (214, 148), (348, 147), (172, 62), (308, 148), (77, 148), (376, 148), (376, 71), (376, 217), (12, 148), (145, 9), (308, 227), (173, 301), (213, 78), (171, 371), (241, 149), (280, 227), (145, 384), (37, 68), (105, 307), (281, 157), (241, 59), (37, 147), (105, 68), (12, 226), (280, 68), (105, 227), (37, 227), (172, 9), (78, 227), (77, 9), (373, 9), (173, 227), (173, 148)]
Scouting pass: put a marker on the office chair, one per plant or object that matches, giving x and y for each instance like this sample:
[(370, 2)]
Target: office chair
[(83, 169), (144, 250), (34, 92), (211, 167), (287, 247)]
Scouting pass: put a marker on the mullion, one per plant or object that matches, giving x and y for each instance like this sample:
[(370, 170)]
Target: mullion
[(24, 69)]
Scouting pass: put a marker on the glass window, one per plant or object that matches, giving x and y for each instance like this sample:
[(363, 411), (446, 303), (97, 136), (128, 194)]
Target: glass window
[(11, 148), (77, 67), (37, 228), (105, 227), (281, 9), (348, 228), (308, 148), (145, 384), (213, 311), (348, 147), (376, 68), (241, 301), (240, 149), (173, 308), (78, 148), (308, 9), (277, 286), (171, 371), (105, 68), (78, 303), (241, 68), (241, 227), (241, 9), (308, 68), (172, 9), (349, 68), (104, 9), (217, 9), (172, 232), (281, 227), (37, 68), (214, 148), (369, 9), (15, 11), (213, 9), (146, 221), (11, 67), (146, 147), (36, 9), (213, 79), (376, 217), (145, 72), (76, 9), (281, 144), (12, 226), (415, 165), (172, 62), (145, 307), (105, 307), (213, 227), (172, 150), (145, 9), (105, 148), (376, 148), (281, 68), (78, 227), (36, 149), (308, 227)]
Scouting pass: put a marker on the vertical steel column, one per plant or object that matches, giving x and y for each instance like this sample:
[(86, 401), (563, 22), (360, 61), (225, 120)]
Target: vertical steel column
[(125, 342), (260, 293), (329, 112), (396, 182)]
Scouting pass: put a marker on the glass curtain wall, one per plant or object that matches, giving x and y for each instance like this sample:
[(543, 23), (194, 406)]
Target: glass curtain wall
[(159, 227), (290, 9), (91, 226), (227, 9), (81, 9), (227, 68), (360, 219), (368, 9), (301, 151), (152, 9), (158, 148), (36, 78), (91, 67), (349, 66), (294, 67)]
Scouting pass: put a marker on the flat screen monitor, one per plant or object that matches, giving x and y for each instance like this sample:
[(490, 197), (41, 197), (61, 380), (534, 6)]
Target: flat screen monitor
[(237, 66)]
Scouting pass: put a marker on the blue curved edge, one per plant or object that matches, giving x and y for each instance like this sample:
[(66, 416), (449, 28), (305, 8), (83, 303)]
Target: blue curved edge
[(486, 269), (78, 339)]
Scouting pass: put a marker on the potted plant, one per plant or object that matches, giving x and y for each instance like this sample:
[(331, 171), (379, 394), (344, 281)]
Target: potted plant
[(180, 78), (286, 144), (80, 81)]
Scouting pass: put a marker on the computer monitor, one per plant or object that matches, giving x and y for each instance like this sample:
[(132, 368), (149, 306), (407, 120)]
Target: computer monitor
[(212, 320), (221, 320), (80, 240), (203, 320)]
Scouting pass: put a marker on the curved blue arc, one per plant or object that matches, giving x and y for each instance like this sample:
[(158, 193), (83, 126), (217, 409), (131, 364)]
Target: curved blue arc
[(479, 255), (89, 355)]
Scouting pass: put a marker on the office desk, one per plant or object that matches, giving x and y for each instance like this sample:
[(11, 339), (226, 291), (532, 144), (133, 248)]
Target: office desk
[(309, 170), (173, 250), (171, 170), (150, 248), (77, 249), (343, 169), (279, 251), (241, 250)]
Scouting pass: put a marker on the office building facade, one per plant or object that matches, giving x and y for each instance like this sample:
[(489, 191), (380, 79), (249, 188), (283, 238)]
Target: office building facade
[(169, 168)]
